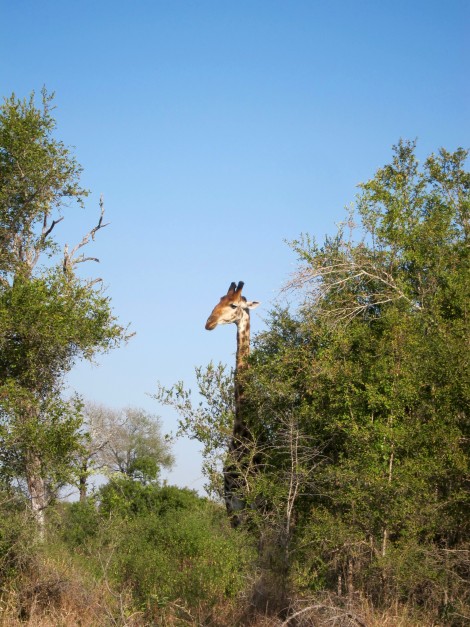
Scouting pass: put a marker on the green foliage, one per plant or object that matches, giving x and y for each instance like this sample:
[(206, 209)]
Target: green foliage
[(37, 174), (17, 538), (210, 421), (124, 497), (181, 555), (79, 522), (47, 323), (165, 544), (48, 432), (375, 367)]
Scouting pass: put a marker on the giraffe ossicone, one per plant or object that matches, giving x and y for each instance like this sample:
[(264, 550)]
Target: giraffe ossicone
[(235, 308)]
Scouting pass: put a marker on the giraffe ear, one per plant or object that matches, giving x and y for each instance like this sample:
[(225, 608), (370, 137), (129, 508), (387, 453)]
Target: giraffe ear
[(252, 304)]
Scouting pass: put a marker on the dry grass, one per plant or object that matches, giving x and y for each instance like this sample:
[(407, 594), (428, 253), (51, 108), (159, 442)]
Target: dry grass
[(54, 594), (314, 614), (322, 610), (65, 609), (57, 594)]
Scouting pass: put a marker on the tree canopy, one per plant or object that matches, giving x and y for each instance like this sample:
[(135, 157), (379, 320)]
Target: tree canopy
[(127, 441)]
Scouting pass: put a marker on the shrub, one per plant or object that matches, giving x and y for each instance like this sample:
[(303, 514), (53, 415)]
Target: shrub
[(166, 547), (17, 538), (78, 522), (124, 497)]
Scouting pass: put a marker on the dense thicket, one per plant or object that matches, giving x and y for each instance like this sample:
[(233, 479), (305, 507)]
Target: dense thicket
[(371, 376), (133, 554)]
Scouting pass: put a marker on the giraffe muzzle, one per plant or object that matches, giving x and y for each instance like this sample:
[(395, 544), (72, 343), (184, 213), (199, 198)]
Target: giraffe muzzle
[(211, 324)]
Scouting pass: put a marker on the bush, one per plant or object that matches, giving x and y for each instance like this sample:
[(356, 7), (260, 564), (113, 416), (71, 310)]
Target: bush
[(192, 556), (124, 497), (165, 547), (78, 522), (17, 538)]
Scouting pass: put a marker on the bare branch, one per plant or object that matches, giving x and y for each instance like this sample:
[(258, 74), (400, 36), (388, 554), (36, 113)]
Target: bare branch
[(69, 257), (82, 259), (340, 272), (338, 613), (47, 231), (32, 254)]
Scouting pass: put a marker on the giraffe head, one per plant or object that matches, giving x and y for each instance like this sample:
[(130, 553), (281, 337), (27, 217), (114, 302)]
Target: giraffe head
[(231, 308)]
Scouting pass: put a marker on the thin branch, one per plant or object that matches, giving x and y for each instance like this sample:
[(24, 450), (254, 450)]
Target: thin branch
[(47, 231), (69, 258), (347, 613)]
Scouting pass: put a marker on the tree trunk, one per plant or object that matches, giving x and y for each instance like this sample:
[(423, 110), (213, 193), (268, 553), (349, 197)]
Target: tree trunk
[(350, 579), (37, 491), (82, 482)]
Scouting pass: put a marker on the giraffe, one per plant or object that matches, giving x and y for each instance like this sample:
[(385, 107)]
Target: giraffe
[(233, 307)]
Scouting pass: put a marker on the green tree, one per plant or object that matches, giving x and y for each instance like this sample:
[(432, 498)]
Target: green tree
[(49, 317), (127, 441), (375, 365)]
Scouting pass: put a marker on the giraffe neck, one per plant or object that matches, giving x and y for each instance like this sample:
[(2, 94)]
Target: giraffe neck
[(243, 341), (243, 352), (234, 481)]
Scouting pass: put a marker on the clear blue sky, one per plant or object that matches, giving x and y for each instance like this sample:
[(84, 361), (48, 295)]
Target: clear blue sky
[(216, 130)]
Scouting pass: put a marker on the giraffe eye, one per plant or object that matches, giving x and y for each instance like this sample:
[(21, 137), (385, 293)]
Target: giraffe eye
[(233, 306)]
